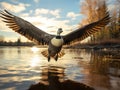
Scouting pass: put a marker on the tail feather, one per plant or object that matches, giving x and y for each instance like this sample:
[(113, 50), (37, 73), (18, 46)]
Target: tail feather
[(60, 54), (45, 53)]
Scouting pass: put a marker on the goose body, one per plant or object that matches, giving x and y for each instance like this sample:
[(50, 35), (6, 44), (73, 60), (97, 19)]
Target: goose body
[(55, 42), (55, 46)]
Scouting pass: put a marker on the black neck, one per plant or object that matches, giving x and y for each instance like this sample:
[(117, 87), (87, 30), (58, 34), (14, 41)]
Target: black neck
[(58, 37)]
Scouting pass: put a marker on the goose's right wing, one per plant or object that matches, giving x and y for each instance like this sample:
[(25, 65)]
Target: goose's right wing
[(25, 28), (86, 31)]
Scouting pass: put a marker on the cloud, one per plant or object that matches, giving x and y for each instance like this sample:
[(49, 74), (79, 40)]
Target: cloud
[(41, 11), (72, 15), (45, 19), (3, 27), (36, 1), (14, 8), (48, 24), (55, 13)]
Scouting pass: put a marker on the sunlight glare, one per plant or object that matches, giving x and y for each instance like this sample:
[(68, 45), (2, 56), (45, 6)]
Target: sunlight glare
[(35, 60), (34, 49)]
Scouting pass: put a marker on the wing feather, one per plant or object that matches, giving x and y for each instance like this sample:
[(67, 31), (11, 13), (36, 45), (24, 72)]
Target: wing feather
[(25, 28), (86, 31)]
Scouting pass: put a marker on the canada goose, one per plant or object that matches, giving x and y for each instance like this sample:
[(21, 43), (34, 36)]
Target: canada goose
[(55, 42)]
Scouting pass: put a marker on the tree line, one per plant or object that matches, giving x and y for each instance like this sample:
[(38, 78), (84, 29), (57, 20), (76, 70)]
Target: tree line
[(16, 43), (94, 10)]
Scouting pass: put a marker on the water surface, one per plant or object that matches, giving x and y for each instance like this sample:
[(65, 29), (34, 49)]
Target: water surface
[(20, 67)]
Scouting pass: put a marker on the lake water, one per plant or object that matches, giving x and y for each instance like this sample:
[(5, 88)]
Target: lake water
[(20, 67)]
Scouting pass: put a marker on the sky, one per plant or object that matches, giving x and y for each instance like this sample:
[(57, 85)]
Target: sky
[(48, 15)]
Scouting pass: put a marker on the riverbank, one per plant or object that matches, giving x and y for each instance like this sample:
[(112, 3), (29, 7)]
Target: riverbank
[(98, 45)]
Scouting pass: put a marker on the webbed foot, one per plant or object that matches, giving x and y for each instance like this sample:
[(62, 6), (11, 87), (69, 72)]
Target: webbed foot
[(48, 58), (56, 57)]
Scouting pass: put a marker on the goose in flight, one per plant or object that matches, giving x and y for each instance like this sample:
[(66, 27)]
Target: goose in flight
[(55, 42)]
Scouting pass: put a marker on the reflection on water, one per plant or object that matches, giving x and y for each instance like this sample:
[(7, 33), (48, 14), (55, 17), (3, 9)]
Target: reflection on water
[(101, 71), (21, 67), (52, 78), (105, 62)]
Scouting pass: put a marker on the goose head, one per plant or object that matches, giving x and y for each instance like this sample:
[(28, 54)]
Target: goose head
[(59, 31)]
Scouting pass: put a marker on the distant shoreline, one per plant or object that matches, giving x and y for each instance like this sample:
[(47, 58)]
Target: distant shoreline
[(96, 45), (72, 47)]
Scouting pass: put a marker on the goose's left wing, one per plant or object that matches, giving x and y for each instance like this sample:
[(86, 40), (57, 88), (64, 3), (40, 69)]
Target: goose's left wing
[(25, 28), (86, 31)]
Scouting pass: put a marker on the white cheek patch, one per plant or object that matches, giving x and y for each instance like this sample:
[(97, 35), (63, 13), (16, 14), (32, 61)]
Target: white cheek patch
[(57, 42)]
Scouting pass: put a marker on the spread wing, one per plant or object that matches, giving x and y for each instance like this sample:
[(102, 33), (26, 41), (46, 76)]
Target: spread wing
[(84, 32), (25, 28)]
